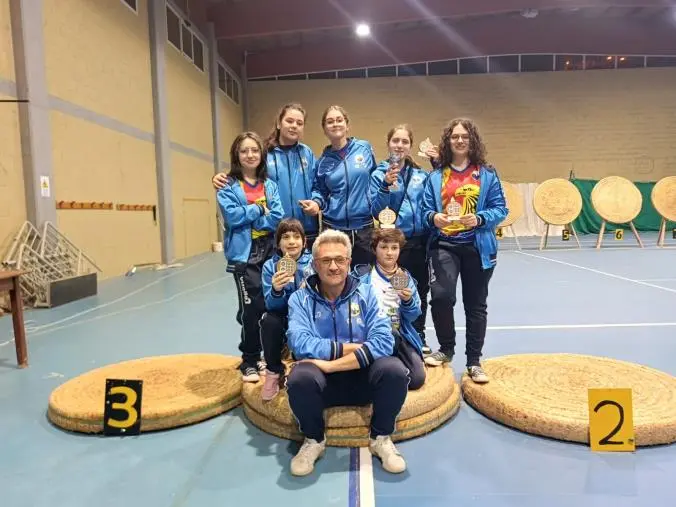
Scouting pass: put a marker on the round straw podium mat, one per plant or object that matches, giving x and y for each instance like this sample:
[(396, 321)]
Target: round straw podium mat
[(546, 394), (177, 390), (424, 410)]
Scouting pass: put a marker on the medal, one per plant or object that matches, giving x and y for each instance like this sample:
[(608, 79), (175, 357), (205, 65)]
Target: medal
[(387, 218), (287, 264), (453, 209), (423, 147), (399, 280)]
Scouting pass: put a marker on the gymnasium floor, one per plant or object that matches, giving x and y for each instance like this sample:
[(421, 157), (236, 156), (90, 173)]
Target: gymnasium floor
[(619, 302)]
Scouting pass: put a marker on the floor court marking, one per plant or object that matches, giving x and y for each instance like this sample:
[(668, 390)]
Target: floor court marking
[(605, 273), (361, 491), (570, 326), (43, 331), (117, 300)]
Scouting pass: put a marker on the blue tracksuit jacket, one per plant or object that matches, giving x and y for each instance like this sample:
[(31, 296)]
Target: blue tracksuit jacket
[(410, 218), (341, 186), (277, 301), (408, 311), (318, 328), (491, 211), (240, 217), (293, 169)]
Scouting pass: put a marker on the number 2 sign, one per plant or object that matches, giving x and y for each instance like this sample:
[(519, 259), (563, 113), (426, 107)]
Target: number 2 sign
[(611, 420)]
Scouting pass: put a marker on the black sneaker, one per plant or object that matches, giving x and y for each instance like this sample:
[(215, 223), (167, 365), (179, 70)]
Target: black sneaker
[(437, 359), (249, 373)]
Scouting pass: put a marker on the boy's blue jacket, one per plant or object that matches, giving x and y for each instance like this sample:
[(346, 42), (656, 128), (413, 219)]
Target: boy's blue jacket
[(318, 328), (491, 211), (239, 218), (293, 169), (410, 218), (408, 310), (277, 301), (341, 186)]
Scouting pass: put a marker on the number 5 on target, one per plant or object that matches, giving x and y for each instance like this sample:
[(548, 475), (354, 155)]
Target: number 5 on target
[(611, 420)]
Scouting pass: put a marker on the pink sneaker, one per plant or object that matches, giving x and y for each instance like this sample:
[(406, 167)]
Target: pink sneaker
[(270, 386)]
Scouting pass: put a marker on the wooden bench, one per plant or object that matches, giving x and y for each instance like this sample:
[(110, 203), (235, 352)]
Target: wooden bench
[(9, 281)]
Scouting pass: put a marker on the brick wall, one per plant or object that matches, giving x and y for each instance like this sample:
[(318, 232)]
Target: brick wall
[(536, 125)]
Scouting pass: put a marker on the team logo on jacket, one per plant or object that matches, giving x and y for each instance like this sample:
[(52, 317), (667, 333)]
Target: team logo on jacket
[(303, 162), (416, 180), (354, 309), (359, 161)]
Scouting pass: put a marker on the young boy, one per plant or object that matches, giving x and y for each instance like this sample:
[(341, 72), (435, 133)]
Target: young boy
[(278, 285), (402, 306)]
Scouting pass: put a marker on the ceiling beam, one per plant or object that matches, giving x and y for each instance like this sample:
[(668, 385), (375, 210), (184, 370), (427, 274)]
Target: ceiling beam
[(476, 37), (257, 18)]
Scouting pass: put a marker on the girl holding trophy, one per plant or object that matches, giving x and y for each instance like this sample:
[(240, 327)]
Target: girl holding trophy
[(396, 192), (463, 203)]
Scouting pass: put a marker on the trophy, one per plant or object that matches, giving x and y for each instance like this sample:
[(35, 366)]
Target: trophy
[(423, 147), (287, 264), (394, 159), (387, 218), (399, 280), (453, 209)]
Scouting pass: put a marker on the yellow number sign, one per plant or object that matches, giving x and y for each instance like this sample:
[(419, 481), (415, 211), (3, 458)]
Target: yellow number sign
[(565, 235), (611, 420), (122, 409), (619, 234), (498, 233)]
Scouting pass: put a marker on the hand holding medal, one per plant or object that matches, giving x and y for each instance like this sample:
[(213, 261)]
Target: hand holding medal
[(285, 273), (399, 282)]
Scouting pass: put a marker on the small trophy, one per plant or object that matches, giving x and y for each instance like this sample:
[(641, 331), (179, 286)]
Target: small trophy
[(399, 280), (387, 218), (453, 209), (287, 264), (394, 159)]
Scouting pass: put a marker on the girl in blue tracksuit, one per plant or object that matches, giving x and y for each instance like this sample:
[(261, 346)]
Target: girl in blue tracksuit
[(399, 187), (341, 184), (290, 164), (251, 209), (464, 248), (402, 307), (277, 288)]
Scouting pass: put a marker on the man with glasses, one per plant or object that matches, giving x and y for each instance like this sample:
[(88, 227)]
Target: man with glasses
[(343, 345)]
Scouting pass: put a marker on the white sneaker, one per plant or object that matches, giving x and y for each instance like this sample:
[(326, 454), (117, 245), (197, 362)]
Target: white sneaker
[(384, 448), (303, 463)]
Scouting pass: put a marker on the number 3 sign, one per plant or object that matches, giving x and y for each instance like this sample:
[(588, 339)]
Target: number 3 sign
[(122, 410), (611, 421)]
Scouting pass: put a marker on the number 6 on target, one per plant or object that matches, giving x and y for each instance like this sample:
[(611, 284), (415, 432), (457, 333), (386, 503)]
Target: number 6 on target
[(611, 420)]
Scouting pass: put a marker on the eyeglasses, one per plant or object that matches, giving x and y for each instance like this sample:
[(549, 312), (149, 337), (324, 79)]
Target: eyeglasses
[(326, 261)]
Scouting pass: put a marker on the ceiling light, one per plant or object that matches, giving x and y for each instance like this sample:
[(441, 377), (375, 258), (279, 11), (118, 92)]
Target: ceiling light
[(363, 30)]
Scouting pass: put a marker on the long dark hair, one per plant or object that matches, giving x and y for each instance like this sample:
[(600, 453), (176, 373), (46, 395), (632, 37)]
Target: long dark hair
[(477, 149), (273, 137), (236, 167), (409, 160)]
